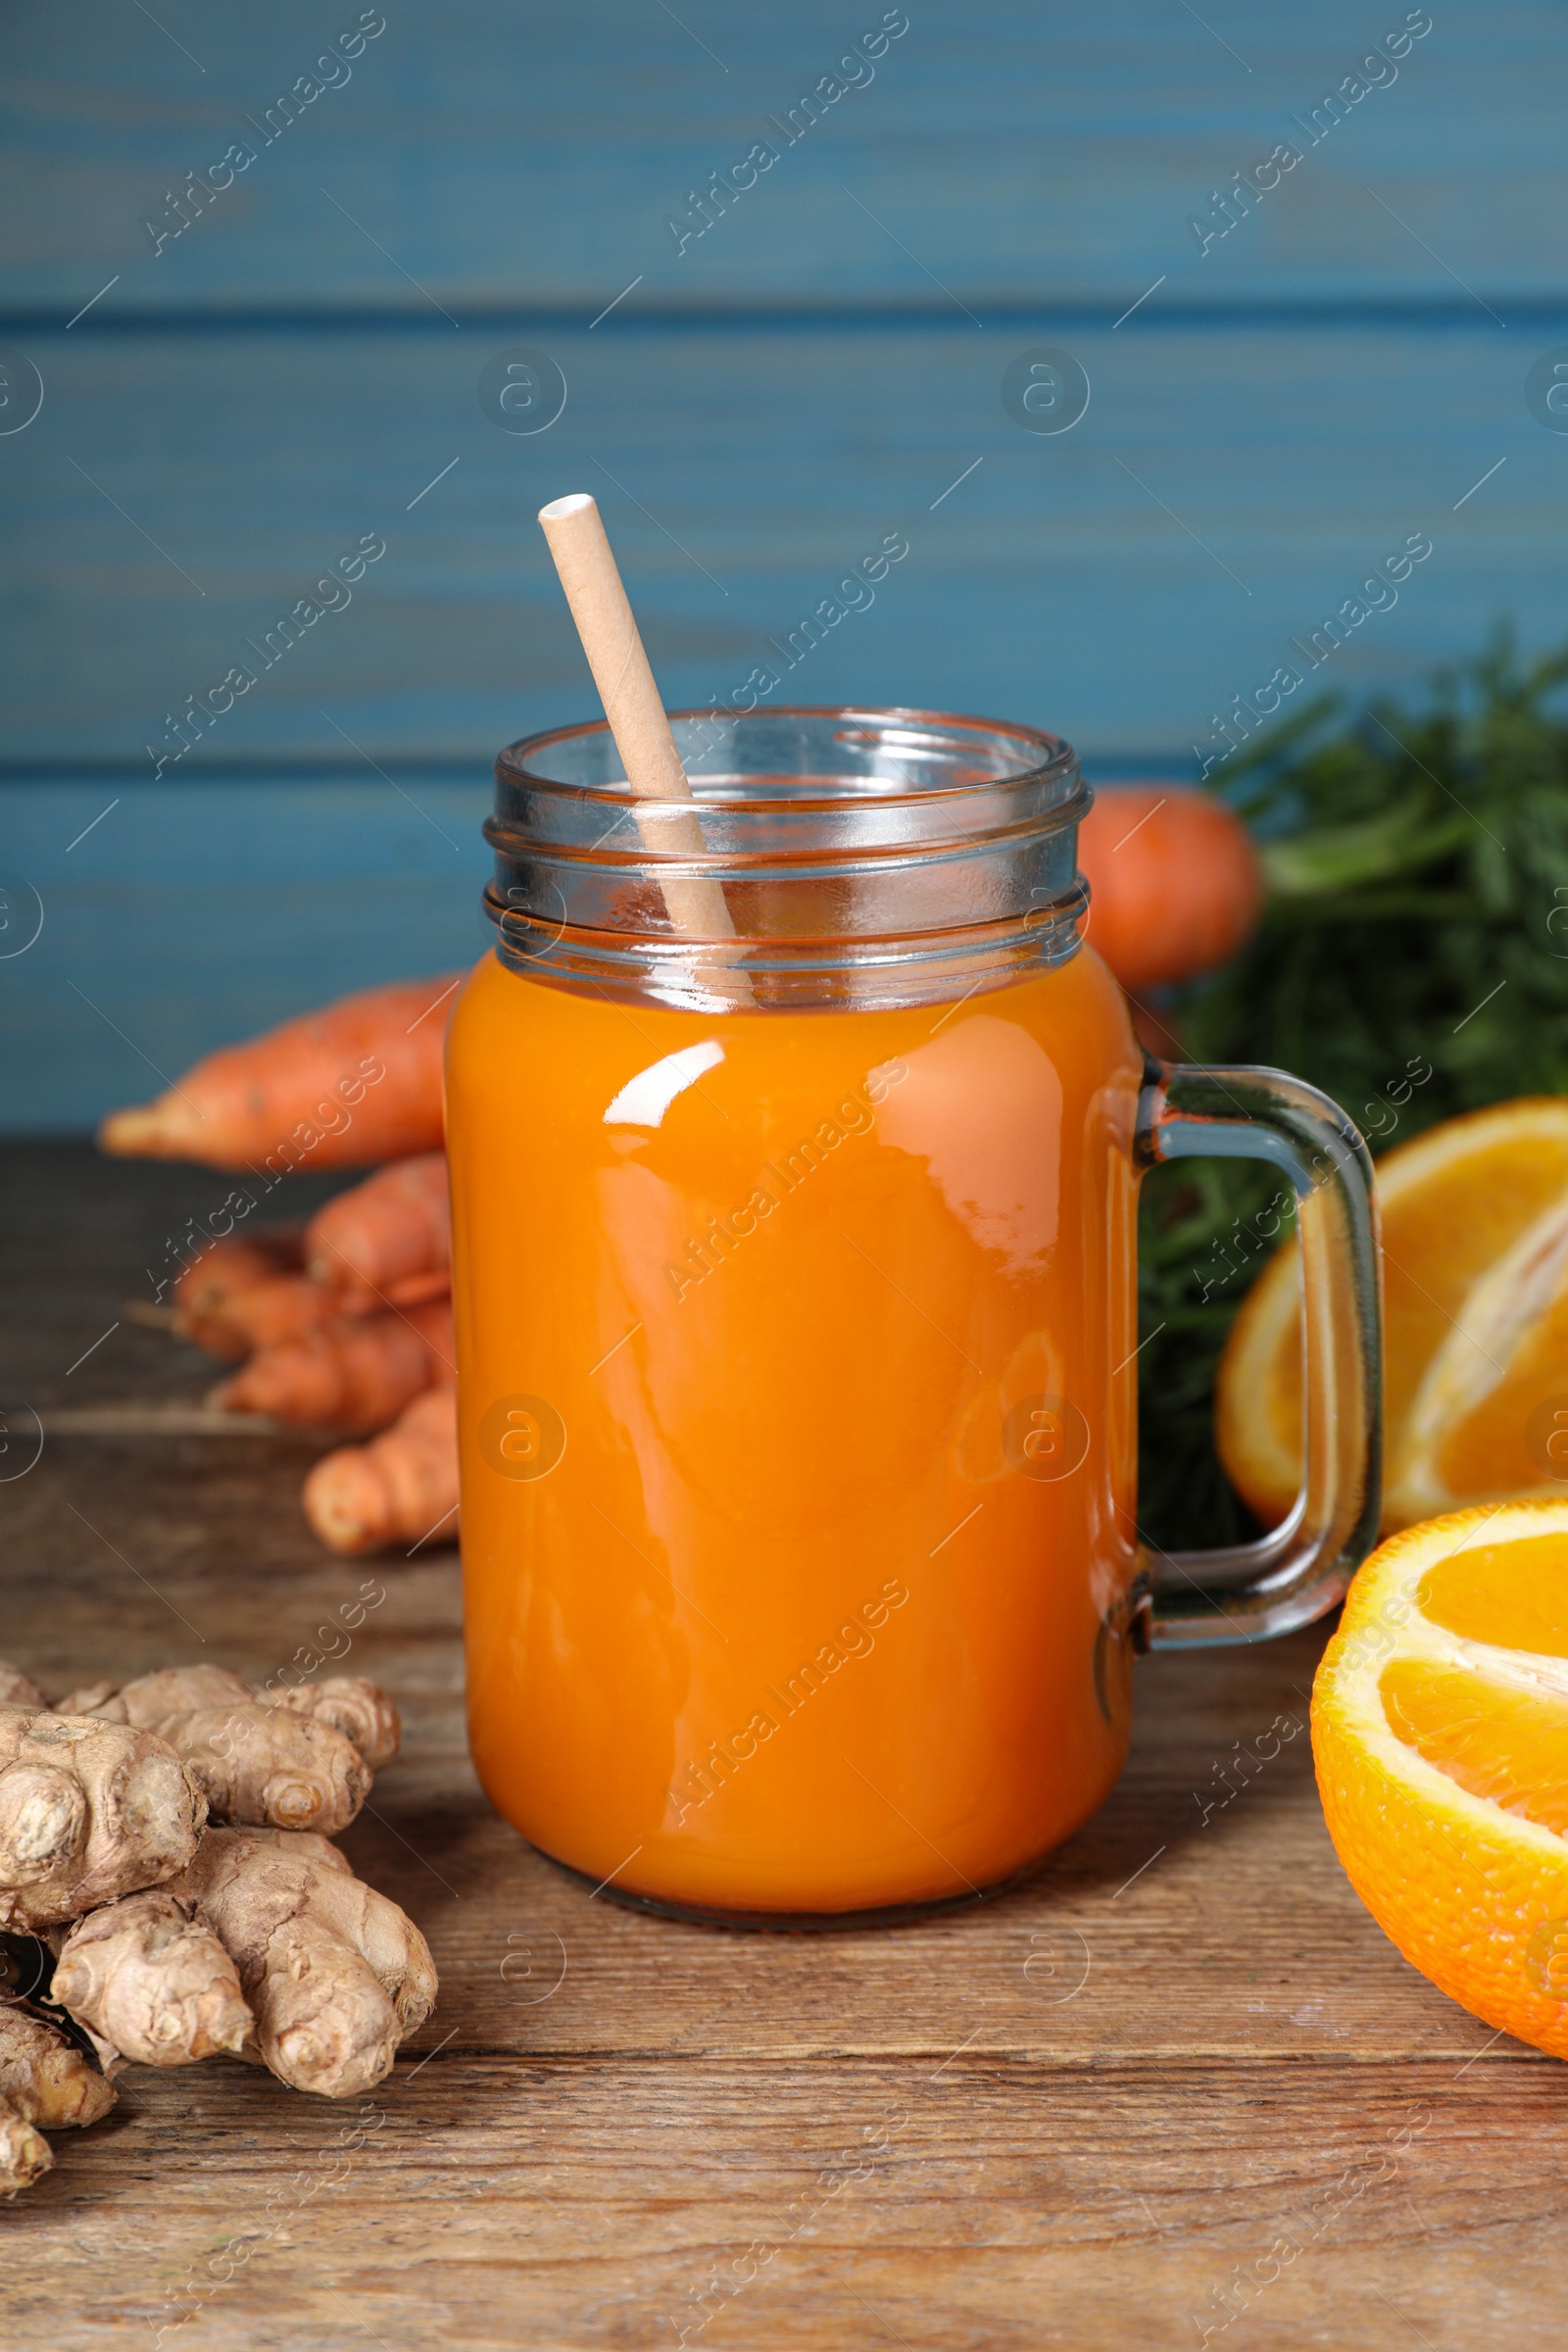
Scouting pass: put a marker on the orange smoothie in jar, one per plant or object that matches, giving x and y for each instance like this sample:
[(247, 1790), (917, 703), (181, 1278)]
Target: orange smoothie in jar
[(798, 1415)]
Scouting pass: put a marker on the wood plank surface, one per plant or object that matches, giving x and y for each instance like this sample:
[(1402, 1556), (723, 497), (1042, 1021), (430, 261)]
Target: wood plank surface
[(1181, 2058), (323, 834), (189, 916), (504, 153), (1225, 490)]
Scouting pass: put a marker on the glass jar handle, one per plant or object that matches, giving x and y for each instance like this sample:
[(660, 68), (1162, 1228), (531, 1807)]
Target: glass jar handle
[(1250, 1591)]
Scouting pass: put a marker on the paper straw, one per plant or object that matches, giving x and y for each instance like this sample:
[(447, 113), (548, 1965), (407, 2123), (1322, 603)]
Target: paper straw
[(633, 705)]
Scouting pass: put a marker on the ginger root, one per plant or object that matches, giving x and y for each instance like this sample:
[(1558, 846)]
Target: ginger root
[(171, 1942), (360, 1710), (336, 1974), (88, 1811), (45, 2076), (267, 1946), (17, 1689), (154, 1983), (289, 1764), (23, 2152), (44, 2079)]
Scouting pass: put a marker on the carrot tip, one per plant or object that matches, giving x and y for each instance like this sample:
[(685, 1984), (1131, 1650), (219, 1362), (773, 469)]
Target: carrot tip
[(143, 1131), (336, 1506)]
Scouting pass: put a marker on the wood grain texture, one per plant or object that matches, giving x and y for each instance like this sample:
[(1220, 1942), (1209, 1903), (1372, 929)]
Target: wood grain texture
[(510, 154), (1120, 582), (503, 2203), (1181, 2057), (190, 915)]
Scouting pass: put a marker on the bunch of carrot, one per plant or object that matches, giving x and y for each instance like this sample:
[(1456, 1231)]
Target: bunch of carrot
[(346, 1323)]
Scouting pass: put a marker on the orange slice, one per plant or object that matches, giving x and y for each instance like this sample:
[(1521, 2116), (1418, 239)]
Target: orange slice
[(1439, 1729), (1490, 1414), (1475, 1267)]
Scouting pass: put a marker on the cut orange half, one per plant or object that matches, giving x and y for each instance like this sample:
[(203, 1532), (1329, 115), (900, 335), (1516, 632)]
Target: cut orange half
[(1474, 1268), (1439, 1729)]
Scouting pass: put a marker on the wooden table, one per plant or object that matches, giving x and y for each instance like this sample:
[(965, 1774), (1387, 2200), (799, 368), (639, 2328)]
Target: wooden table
[(1182, 2057)]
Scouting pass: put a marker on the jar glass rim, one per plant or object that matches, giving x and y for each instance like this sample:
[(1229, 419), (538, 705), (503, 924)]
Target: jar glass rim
[(1042, 759), (866, 854)]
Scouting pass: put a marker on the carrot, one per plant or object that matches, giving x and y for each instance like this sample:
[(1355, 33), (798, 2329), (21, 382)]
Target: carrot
[(1177, 886), (390, 1237), (350, 1372), (357, 1082), (233, 1264), (400, 1489), (262, 1315)]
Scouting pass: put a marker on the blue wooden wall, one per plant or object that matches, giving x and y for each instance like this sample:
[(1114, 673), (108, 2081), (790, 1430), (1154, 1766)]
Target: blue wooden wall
[(230, 410)]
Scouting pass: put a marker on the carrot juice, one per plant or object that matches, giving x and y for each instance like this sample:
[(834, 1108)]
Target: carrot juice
[(796, 1412)]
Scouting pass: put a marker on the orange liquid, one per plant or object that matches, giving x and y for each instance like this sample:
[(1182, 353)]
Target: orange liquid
[(792, 1584)]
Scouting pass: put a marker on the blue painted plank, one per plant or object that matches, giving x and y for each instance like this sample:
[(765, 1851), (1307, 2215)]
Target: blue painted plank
[(187, 916), (1121, 582), (502, 153)]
